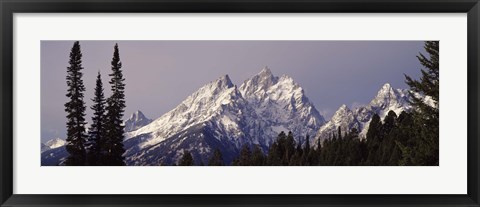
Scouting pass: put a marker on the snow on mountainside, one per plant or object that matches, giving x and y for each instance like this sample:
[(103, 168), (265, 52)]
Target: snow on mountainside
[(136, 121), (386, 99), (215, 116), (52, 144), (282, 104), (53, 152), (220, 115)]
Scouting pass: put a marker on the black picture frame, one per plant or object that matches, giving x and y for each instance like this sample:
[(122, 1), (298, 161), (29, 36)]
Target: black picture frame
[(10, 7)]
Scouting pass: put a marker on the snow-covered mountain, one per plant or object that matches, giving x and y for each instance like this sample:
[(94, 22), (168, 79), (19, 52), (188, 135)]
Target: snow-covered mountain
[(220, 115), (53, 152), (386, 99), (282, 104), (224, 116), (215, 116), (52, 144), (136, 121)]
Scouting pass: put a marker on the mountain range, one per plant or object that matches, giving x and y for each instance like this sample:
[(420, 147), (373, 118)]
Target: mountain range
[(387, 99), (220, 115)]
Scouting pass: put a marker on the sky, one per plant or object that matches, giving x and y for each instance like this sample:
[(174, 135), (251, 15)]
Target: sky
[(159, 75)]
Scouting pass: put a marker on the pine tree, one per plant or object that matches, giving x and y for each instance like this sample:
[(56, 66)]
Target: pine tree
[(307, 144), (245, 156), (216, 159), (113, 145), (289, 148), (277, 151), (258, 158), (296, 159), (426, 116), (186, 160), (75, 109), (389, 123), (339, 132), (96, 132), (273, 157), (374, 138), (317, 154)]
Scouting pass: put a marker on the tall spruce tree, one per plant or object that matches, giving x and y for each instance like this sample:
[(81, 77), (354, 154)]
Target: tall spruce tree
[(426, 115), (113, 145), (96, 132), (75, 108), (289, 148), (374, 139)]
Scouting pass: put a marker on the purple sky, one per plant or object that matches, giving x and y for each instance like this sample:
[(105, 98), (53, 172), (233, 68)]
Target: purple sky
[(161, 74)]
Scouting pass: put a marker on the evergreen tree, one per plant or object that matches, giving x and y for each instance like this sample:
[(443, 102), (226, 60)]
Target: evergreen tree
[(276, 151), (374, 138), (339, 132), (388, 144), (389, 123), (115, 107), (297, 158), (426, 116), (186, 160), (216, 159), (96, 132), (258, 158), (317, 154), (307, 144), (75, 108), (289, 148), (245, 156)]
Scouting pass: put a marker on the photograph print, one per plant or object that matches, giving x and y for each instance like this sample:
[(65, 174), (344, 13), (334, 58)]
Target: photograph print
[(239, 103)]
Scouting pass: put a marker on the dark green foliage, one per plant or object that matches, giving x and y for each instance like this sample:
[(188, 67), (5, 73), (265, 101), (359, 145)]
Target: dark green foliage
[(113, 145), (186, 160), (216, 159), (289, 147), (97, 130), (425, 150), (374, 138), (245, 157), (346, 150), (276, 151), (297, 157), (75, 108), (258, 157)]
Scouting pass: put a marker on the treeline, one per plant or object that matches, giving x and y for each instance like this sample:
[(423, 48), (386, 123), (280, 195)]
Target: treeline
[(412, 138), (387, 143), (103, 143)]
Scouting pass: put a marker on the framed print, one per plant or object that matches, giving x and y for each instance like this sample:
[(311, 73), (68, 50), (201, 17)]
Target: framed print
[(258, 103)]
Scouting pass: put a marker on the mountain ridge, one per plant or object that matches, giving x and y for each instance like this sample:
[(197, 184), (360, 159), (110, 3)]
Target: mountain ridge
[(220, 115)]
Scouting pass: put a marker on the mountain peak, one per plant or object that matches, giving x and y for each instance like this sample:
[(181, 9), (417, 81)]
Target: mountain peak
[(342, 110), (385, 92), (265, 71), (55, 143), (137, 114), (266, 76), (136, 121), (386, 86), (224, 81)]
